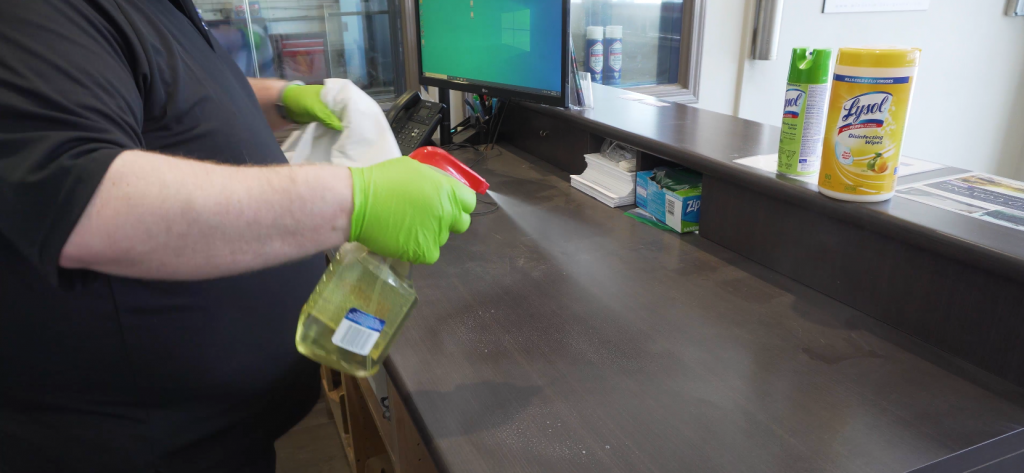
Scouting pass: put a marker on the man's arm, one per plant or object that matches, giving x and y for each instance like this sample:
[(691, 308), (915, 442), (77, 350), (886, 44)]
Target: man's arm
[(268, 93), (160, 217)]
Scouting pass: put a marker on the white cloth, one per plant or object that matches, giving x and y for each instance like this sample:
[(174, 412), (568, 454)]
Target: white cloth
[(365, 139)]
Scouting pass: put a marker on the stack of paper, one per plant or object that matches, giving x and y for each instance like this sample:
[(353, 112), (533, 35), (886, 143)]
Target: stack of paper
[(604, 180)]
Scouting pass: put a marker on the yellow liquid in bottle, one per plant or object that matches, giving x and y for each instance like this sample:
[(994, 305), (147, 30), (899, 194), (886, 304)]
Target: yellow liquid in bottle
[(355, 279)]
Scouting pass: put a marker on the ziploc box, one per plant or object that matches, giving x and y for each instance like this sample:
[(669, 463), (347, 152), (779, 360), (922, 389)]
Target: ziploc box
[(671, 195)]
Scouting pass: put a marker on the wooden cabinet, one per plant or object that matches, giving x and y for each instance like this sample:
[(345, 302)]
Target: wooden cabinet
[(353, 418), (366, 431), (559, 142)]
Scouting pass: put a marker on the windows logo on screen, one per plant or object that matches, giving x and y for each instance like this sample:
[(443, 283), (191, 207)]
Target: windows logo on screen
[(515, 29)]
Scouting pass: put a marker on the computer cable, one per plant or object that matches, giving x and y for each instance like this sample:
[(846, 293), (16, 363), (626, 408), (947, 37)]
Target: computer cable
[(481, 213), (487, 148)]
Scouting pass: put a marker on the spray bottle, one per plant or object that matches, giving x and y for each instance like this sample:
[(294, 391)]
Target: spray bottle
[(613, 50), (363, 299), (595, 53), (803, 117)]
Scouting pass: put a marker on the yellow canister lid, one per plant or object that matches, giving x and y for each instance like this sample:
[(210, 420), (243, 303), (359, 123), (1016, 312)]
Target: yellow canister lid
[(878, 57)]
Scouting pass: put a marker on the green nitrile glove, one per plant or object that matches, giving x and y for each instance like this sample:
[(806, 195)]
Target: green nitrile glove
[(303, 105), (404, 209)]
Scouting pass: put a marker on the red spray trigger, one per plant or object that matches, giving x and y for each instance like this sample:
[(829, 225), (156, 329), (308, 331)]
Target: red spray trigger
[(439, 158)]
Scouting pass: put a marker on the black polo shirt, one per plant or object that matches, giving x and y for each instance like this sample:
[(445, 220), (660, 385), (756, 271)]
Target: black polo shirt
[(102, 373)]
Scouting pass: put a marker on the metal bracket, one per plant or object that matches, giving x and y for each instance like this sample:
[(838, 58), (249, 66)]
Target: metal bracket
[(1015, 8), (767, 23)]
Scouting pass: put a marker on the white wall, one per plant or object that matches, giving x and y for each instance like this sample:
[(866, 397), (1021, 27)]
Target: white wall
[(968, 107), (726, 43)]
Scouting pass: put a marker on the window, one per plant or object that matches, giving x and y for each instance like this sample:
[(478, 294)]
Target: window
[(661, 41), (311, 40)]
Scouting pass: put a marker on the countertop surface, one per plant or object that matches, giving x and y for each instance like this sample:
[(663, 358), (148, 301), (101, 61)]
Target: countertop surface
[(559, 335), (710, 142)]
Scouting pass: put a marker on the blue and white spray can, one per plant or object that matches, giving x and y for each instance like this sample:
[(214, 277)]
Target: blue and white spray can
[(595, 53), (613, 55)]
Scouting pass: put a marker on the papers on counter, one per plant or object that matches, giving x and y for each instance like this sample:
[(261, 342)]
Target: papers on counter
[(770, 163), (644, 99), (635, 97), (605, 181), (982, 196), (909, 166)]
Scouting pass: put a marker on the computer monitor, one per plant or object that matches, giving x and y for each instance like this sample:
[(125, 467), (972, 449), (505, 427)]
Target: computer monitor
[(501, 48)]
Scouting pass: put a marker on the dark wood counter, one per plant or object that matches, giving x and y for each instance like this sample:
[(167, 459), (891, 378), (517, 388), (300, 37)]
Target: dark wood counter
[(952, 281), (557, 335), (709, 142)]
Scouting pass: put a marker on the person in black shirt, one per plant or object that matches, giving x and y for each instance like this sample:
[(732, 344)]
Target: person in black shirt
[(155, 247)]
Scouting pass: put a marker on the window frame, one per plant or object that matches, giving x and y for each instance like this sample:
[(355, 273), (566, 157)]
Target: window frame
[(410, 50), (691, 43), (691, 46)]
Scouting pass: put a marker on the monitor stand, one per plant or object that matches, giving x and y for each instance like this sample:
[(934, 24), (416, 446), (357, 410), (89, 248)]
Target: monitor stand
[(445, 130)]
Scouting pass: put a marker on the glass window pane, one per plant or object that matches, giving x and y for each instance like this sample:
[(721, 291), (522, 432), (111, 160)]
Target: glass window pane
[(650, 37), (311, 40)]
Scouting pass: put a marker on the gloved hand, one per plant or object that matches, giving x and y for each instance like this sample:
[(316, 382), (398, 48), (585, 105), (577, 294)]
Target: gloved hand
[(302, 104), (404, 209)]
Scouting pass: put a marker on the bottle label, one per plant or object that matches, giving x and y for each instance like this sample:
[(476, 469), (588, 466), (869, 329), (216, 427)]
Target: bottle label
[(864, 133), (794, 107), (596, 63), (803, 121), (615, 56), (358, 332)]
